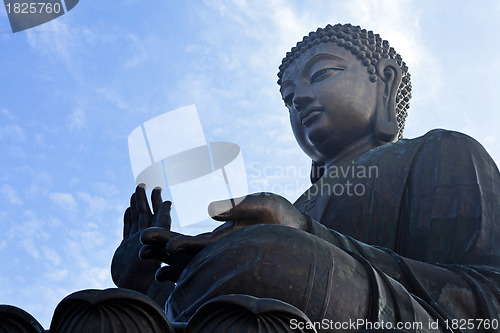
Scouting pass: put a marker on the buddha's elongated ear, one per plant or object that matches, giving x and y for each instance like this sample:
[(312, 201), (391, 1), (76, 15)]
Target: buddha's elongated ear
[(385, 122)]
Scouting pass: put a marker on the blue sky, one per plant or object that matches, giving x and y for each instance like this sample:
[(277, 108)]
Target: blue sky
[(73, 89)]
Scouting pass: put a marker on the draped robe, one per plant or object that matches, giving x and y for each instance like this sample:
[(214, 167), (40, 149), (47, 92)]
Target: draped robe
[(408, 230)]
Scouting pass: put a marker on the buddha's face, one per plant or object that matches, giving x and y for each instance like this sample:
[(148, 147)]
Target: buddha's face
[(331, 100)]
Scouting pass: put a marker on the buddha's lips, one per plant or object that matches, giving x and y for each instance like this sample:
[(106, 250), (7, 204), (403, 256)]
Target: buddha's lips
[(308, 114)]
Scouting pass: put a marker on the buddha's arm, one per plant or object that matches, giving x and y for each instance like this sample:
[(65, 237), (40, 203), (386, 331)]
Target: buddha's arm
[(452, 292), (452, 207), (450, 218)]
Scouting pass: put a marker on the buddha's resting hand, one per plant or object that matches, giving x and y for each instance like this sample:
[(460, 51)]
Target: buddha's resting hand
[(127, 269), (177, 250)]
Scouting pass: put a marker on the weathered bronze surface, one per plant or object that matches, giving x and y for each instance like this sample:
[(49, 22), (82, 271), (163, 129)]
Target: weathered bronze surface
[(110, 310), (15, 320), (391, 231)]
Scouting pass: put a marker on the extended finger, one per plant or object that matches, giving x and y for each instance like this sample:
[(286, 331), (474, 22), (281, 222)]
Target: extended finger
[(127, 224), (142, 200), (134, 216), (133, 209), (163, 218), (156, 199), (157, 236), (153, 252), (194, 243)]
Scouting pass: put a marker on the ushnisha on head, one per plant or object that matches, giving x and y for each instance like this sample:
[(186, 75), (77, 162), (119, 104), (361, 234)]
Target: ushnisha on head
[(369, 48)]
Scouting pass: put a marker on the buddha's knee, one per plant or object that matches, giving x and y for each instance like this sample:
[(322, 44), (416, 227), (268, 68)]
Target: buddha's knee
[(263, 261), (259, 252)]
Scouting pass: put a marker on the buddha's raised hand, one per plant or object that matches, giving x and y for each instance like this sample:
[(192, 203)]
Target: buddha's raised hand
[(127, 269)]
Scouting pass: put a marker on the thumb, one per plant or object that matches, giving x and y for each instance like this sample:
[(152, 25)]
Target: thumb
[(221, 210), (241, 208)]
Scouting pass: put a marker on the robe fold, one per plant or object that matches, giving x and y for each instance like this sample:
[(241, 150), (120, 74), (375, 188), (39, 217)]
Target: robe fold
[(409, 231)]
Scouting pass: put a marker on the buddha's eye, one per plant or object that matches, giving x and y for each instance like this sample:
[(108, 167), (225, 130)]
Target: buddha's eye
[(324, 73), (288, 99)]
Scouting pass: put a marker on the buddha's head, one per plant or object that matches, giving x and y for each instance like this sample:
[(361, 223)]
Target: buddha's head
[(344, 85)]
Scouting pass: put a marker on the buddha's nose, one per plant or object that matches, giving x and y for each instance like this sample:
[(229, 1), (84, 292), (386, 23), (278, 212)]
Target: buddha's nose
[(301, 102), (302, 97)]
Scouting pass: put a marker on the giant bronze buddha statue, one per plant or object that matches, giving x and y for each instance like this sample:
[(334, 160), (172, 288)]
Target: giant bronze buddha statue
[(392, 230)]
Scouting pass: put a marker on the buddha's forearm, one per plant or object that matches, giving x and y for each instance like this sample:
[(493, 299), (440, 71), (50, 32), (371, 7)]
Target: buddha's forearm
[(452, 291), (317, 277)]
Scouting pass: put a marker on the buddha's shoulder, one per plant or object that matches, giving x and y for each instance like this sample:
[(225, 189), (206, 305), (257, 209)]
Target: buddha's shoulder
[(430, 147), (448, 142), (439, 135), (436, 139)]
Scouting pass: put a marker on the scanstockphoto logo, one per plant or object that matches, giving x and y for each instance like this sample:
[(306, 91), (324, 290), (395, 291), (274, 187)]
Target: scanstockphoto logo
[(170, 151), (26, 14)]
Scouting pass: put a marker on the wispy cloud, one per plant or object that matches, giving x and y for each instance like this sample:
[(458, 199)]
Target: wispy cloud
[(56, 274), (76, 119), (113, 96), (399, 23), (7, 114), (55, 42), (27, 232), (39, 182), (13, 133), (95, 205), (141, 51), (10, 195), (65, 201), (61, 42), (51, 256)]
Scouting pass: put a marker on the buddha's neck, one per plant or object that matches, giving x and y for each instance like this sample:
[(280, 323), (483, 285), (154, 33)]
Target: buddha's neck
[(352, 151)]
